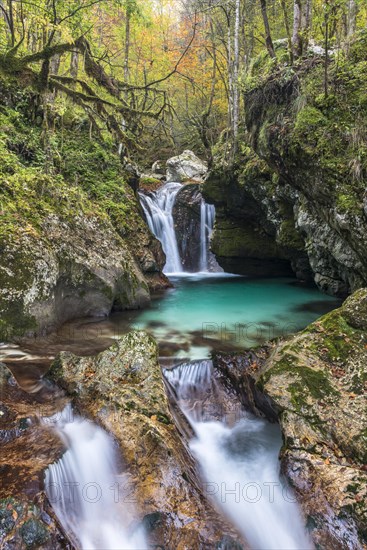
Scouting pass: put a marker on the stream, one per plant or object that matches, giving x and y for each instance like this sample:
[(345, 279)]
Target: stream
[(237, 454), (238, 457)]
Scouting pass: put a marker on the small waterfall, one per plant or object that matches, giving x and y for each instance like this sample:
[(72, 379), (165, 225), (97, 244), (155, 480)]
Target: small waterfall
[(207, 215), (239, 461), (158, 211), (84, 489)]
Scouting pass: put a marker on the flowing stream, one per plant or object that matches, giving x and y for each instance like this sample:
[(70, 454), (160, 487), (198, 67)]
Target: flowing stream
[(83, 487), (207, 216), (238, 456), (237, 453)]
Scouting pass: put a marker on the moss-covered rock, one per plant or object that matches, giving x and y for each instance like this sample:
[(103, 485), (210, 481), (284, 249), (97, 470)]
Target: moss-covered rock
[(255, 231), (65, 231), (355, 309), (301, 170), (316, 383)]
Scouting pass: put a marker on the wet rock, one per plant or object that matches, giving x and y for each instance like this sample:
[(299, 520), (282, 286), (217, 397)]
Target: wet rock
[(255, 231), (316, 383), (28, 447), (22, 526), (34, 533), (187, 219), (186, 216), (184, 167), (123, 390)]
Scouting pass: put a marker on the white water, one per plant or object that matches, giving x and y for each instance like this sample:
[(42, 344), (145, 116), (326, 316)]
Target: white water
[(158, 208), (158, 211), (85, 490), (239, 464), (207, 215)]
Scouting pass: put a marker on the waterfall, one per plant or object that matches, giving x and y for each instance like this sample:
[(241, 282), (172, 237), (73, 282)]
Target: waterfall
[(158, 210), (207, 215), (84, 489), (239, 461)]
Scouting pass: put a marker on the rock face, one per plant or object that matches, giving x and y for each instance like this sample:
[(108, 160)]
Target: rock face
[(250, 236), (27, 448), (296, 193), (186, 216), (316, 383), (186, 166), (122, 389), (74, 269)]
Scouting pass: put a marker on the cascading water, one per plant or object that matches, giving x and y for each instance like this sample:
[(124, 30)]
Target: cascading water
[(83, 487), (238, 456), (158, 211), (207, 215)]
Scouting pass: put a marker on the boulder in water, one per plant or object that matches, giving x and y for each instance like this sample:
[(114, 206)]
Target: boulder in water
[(186, 166)]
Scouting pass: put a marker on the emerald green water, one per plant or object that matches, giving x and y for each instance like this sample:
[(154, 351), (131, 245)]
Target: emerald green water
[(218, 311), (203, 312)]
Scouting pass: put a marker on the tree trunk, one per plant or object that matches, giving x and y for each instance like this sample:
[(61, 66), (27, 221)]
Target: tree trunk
[(352, 17), (326, 74), (268, 39), (288, 31), (297, 27), (306, 23), (127, 45), (236, 66), (10, 21), (230, 73), (74, 64)]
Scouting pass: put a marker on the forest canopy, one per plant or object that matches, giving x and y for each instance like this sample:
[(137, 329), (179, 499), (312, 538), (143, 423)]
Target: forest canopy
[(165, 72)]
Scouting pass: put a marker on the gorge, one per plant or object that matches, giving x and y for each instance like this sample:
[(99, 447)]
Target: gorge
[(183, 275)]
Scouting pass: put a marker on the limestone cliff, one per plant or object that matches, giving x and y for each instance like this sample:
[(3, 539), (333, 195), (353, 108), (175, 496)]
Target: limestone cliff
[(295, 196)]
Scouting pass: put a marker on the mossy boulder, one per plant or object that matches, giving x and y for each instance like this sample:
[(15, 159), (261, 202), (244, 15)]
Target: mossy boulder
[(355, 309)]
